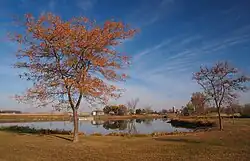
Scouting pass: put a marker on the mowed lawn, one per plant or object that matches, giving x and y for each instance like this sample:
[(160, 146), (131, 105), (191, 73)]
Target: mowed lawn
[(231, 144)]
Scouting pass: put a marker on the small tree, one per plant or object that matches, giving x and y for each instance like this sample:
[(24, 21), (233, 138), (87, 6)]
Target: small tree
[(164, 111), (143, 111), (245, 112), (115, 109), (132, 105), (68, 61), (148, 109), (190, 108), (107, 109), (122, 110), (198, 99), (232, 108), (221, 84), (138, 111)]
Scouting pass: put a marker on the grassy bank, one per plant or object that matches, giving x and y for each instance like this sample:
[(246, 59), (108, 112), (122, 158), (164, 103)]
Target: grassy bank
[(231, 144), (31, 130), (192, 123), (32, 117)]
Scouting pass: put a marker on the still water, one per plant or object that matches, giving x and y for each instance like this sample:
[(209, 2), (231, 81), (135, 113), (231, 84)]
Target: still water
[(143, 126)]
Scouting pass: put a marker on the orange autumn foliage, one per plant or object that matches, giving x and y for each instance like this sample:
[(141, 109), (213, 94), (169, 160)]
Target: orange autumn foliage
[(71, 60)]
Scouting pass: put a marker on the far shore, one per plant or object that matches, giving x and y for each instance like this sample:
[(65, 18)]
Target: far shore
[(11, 118)]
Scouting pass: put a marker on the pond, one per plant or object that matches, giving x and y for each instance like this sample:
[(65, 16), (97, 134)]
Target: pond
[(141, 126)]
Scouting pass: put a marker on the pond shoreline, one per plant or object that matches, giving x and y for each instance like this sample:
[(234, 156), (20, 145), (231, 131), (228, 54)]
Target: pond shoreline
[(29, 130), (14, 118), (192, 123)]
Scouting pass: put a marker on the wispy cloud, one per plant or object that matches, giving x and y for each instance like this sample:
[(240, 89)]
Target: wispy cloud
[(166, 68), (151, 50), (86, 5), (147, 14)]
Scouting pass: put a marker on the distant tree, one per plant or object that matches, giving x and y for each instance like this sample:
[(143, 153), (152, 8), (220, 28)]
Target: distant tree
[(132, 105), (148, 109), (235, 108), (198, 99), (107, 109), (210, 110), (138, 111), (170, 110), (221, 84), (164, 111), (155, 112), (116, 109), (189, 108), (143, 111), (246, 110), (122, 110)]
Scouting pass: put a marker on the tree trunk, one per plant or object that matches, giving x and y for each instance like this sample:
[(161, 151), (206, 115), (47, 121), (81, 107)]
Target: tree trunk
[(220, 121), (75, 139), (233, 118)]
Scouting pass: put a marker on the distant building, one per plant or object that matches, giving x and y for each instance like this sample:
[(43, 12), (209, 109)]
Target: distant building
[(111, 113), (97, 113), (97, 122)]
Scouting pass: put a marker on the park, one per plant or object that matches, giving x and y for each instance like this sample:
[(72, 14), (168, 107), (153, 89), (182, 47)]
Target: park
[(77, 62)]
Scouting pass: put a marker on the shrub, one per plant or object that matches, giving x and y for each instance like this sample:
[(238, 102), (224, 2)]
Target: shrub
[(96, 134)]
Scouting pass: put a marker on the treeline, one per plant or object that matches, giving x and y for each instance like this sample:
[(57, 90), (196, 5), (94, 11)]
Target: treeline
[(10, 112), (231, 110), (124, 110)]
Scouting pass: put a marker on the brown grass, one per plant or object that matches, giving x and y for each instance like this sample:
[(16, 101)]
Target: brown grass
[(231, 144), (32, 117)]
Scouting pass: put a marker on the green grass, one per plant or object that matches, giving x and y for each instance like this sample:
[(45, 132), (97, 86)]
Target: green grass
[(231, 144)]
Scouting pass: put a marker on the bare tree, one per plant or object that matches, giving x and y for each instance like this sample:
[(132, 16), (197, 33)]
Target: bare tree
[(132, 105), (198, 99), (221, 84), (148, 109)]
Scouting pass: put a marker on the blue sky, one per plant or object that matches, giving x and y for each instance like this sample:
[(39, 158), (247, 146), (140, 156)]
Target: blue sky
[(176, 37)]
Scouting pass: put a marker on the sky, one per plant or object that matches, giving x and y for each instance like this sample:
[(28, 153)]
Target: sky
[(175, 38)]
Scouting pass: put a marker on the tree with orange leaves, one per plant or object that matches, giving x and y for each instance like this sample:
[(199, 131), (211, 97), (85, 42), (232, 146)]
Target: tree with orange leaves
[(221, 84), (69, 61)]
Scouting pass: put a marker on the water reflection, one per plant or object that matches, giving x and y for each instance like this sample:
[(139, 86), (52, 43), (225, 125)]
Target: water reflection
[(118, 124), (129, 126), (122, 125)]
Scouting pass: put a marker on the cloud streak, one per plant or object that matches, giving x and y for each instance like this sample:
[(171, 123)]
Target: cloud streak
[(146, 15), (165, 69), (86, 5)]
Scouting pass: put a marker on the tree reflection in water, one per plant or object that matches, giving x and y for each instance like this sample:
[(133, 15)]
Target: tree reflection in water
[(147, 122), (115, 124), (128, 125)]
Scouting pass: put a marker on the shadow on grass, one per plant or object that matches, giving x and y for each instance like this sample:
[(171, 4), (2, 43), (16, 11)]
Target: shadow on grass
[(29, 130), (178, 140), (62, 137)]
